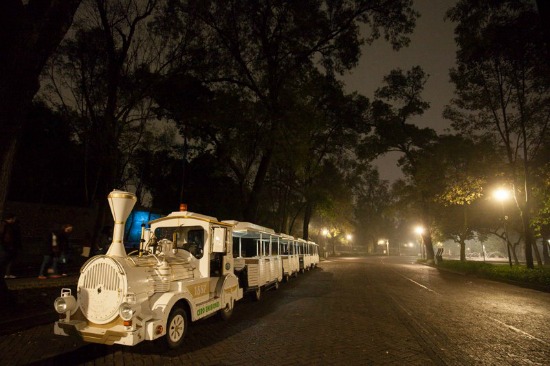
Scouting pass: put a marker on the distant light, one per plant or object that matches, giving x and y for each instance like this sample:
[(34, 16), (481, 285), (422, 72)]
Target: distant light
[(348, 236), (324, 232), (419, 230)]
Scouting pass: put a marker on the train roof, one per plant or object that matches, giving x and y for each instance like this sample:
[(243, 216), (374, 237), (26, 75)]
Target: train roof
[(189, 215), (287, 237), (248, 229)]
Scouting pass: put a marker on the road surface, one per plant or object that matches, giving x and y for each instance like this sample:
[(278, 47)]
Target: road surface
[(349, 311)]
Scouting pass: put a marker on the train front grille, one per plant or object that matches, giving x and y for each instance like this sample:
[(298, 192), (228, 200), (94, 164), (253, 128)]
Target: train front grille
[(101, 289)]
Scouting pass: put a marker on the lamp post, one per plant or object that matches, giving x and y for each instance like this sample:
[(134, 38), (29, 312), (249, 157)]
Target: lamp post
[(325, 234), (502, 195), (385, 242)]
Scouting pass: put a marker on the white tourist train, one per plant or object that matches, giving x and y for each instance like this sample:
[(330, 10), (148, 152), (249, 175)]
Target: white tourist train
[(188, 267)]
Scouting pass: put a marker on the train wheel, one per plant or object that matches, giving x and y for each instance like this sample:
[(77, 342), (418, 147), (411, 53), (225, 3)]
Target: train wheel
[(287, 278), (176, 327), (225, 314)]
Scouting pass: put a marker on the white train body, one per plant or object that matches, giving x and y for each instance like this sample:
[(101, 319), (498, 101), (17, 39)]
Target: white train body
[(256, 251), (127, 299), (289, 256), (184, 271)]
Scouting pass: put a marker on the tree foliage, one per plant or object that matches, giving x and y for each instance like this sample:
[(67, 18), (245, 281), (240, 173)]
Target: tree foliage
[(397, 102), (502, 88), (262, 47), (31, 31)]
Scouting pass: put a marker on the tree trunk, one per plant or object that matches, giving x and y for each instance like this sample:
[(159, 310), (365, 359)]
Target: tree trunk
[(529, 240), (250, 211), (545, 245), (462, 243), (428, 245), (514, 253)]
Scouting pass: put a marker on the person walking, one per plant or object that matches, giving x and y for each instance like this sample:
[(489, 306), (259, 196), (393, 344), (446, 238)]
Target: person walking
[(55, 251), (10, 239)]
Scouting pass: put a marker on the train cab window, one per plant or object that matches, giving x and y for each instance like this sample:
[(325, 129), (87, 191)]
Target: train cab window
[(195, 243), (190, 238)]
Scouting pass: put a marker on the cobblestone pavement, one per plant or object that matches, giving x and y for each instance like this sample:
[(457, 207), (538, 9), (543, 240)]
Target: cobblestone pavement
[(349, 311)]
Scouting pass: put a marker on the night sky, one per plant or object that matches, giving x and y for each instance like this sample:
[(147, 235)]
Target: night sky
[(433, 48)]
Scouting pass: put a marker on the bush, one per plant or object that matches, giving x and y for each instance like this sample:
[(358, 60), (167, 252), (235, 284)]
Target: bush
[(537, 276)]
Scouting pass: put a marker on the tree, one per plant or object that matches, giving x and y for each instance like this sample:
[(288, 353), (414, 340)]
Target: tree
[(260, 47), (463, 166), (32, 30), (102, 76), (48, 168), (397, 102), (374, 215), (326, 124), (502, 89), (541, 219)]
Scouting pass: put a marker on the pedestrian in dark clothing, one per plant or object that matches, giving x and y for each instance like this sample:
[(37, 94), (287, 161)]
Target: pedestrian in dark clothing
[(55, 251), (10, 239)]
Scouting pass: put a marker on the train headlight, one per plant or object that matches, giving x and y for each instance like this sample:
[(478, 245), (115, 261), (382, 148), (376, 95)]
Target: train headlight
[(126, 312), (64, 304)]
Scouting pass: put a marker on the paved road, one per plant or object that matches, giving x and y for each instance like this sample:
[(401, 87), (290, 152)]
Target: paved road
[(349, 311)]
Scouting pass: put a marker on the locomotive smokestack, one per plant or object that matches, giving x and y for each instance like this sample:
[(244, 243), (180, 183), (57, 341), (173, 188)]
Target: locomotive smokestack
[(121, 205)]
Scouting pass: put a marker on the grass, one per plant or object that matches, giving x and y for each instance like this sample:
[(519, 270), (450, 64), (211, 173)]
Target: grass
[(537, 276)]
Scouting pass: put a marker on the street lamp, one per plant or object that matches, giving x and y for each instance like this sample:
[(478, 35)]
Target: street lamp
[(503, 195)]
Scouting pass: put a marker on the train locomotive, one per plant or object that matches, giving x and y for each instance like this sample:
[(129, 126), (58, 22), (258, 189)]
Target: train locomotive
[(184, 271)]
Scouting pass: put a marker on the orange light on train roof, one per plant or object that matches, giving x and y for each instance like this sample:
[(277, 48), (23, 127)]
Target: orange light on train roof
[(183, 207)]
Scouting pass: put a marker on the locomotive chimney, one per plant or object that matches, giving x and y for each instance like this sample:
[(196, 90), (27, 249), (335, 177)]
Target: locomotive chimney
[(121, 205)]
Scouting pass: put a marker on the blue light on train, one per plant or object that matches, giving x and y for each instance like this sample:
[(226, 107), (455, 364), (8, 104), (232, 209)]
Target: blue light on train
[(132, 230)]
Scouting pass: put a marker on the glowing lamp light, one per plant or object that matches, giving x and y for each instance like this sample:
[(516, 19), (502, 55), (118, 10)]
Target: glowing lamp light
[(501, 194), (419, 230)]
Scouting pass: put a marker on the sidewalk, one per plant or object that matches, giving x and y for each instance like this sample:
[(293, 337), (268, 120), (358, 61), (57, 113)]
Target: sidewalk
[(32, 302)]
